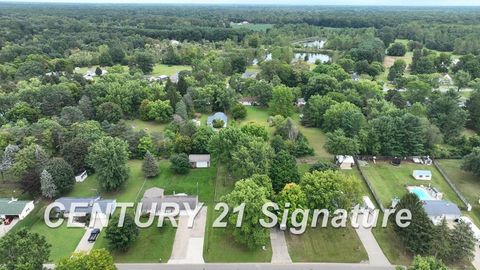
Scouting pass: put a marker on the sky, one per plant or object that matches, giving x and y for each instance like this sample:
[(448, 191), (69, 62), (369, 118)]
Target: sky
[(281, 2)]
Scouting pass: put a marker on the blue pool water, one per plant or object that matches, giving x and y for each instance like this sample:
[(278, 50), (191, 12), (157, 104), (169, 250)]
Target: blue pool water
[(421, 193)]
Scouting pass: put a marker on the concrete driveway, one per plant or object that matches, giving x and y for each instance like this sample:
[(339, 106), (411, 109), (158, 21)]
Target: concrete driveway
[(279, 247), (84, 245), (375, 253), (476, 259), (5, 228), (188, 244)]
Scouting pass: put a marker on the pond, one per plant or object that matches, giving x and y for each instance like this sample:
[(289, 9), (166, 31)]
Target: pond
[(311, 57)]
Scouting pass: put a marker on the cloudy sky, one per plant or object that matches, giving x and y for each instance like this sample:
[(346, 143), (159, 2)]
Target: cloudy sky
[(283, 2)]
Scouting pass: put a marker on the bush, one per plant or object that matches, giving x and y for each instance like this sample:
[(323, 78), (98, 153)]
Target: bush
[(218, 123), (239, 112), (180, 163)]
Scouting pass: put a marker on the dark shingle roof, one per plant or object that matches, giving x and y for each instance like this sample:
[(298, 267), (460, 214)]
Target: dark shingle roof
[(435, 208), (103, 204)]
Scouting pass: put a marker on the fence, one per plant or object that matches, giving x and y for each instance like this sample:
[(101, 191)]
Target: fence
[(452, 185), (372, 190)]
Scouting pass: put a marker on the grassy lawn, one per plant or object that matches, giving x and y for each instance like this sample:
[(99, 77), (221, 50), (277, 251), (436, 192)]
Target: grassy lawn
[(257, 115), (161, 69), (147, 126), (63, 240), (391, 244), (326, 245), (128, 193), (220, 246), (389, 181), (152, 245), (466, 182)]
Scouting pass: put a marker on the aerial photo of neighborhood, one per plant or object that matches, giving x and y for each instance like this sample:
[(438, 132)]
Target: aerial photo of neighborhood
[(211, 135)]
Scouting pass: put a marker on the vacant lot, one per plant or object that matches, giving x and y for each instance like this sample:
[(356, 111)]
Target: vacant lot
[(389, 181), (147, 126), (326, 245)]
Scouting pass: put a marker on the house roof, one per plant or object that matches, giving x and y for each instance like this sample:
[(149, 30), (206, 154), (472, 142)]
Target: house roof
[(9, 207), (217, 115), (192, 201), (198, 158), (154, 193), (249, 74), (345, 159), (103, 204), (435, 208), (422, 172)]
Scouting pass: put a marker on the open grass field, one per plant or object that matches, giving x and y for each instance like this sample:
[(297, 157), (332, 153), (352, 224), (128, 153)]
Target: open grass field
[(389, 181), (220, 246), (161, 69), (389, 60), (466, 182), (326, 245), (153, 245), (63, 240), (147, 126), (260, 27)]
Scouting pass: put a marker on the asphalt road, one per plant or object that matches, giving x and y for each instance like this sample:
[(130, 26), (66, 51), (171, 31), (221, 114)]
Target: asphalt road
[(253, 266)]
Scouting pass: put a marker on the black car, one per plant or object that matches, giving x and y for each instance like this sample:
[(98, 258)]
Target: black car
[(93, 235)]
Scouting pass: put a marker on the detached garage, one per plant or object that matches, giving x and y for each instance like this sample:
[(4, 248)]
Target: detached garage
[(199, 161), (11, 208)]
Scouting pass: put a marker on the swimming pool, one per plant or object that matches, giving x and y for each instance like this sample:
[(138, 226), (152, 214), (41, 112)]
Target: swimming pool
[(421, 193)]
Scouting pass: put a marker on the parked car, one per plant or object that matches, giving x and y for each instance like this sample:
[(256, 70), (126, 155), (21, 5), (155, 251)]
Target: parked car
[(93, 235), (8, 220)]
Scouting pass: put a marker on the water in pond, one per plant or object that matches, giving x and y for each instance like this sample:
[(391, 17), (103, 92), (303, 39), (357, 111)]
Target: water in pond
[(312, 57), (317, 44)]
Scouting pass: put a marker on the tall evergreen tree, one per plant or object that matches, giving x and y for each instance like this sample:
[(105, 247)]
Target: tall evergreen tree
[(49, 190), (462, 243), (150, 166)]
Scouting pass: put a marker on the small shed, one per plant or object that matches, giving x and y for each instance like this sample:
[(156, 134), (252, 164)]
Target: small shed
[(81, 177), (199, 161), (12, 208), (437, 210), (345, 162), (422, 174), (247, 101)]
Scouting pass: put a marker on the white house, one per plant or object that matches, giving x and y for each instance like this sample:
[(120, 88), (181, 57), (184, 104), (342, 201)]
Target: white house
[(422, 175), (12, 208), (199, 161), (345, 162), (437, 210)]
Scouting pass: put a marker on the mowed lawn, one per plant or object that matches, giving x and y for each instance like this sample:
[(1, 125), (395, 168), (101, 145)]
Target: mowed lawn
[(147, 126), (466, 182), (169, 70), (326, 245), (153, 245), (220, 245), (391, 244), (63, 240), (390, 181)]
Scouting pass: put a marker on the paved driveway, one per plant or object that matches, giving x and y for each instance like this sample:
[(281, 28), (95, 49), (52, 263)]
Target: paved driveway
[(279, 247), (84, 245), (188, 244), (375, 253), (5, 228), (476, 259)]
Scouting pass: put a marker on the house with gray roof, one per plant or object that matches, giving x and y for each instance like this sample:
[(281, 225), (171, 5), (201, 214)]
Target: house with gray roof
[(437, 210), (106, 207), (217, 116), (156, 195), (199, 161), (13, 208)]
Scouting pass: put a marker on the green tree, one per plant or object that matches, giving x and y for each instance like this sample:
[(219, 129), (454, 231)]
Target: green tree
[(330, 190), (97, 259), (283, 170), (397, 70), (254, 196), (201, 138), (179, 163), (150, 166), (339, 144), (440, 246), (397, 49), (462, 243), (282, 101), (181, 109), (23, 250), (75, 152), (256, 130), (322, 166), (417, 237), (320, 84), (253, 157), (471, 162), (109, 156), (445, 113), (120, 238), (291, 197), (239, 112), (143, 61), (461, 79), (315, 109), (427, 263), (160, 111), (145, 145), (109, 112), (49, 190), (473, 107), (345, 116), (62, 174), (70, 115)]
